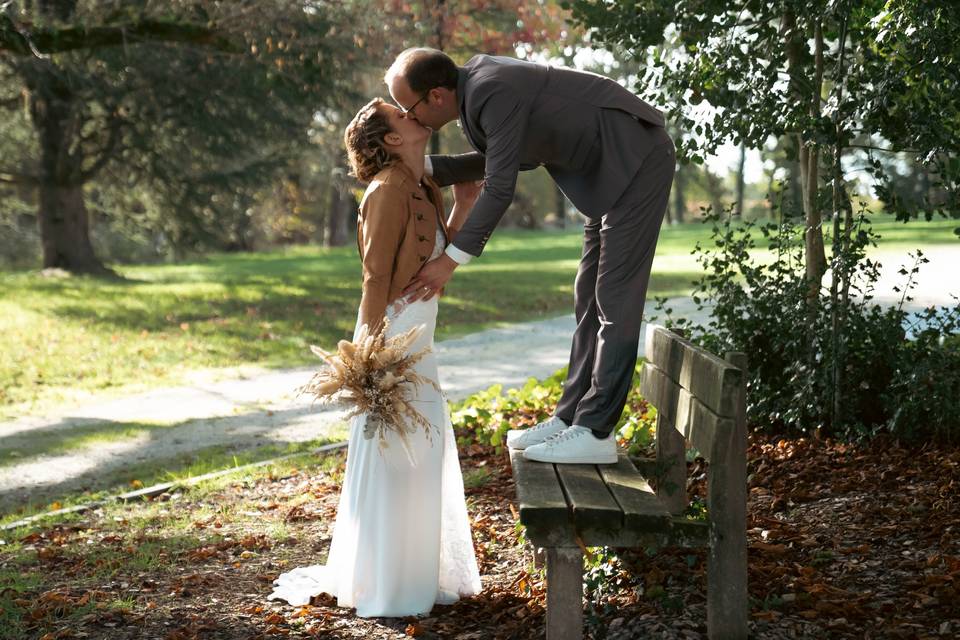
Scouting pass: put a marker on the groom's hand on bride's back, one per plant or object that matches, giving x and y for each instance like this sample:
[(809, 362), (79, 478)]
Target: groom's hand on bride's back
[(431, 278)]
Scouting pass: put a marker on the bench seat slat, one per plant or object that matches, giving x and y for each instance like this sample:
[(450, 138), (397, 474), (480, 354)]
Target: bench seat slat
[(594, 509), (642, 510), (543, 507)]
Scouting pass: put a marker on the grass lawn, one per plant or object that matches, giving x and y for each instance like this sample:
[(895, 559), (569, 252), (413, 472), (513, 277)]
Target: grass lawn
[(66, 339)]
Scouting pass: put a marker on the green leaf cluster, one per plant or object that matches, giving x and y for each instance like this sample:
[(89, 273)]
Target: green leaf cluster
[(486, 416), (879, 79), (900, 371)]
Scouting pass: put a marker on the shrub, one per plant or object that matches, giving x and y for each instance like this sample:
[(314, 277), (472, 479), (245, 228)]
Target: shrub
[(891, 381), (486, 416)]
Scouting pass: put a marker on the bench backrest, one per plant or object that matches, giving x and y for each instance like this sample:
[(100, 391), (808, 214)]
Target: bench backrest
[(700, 398)]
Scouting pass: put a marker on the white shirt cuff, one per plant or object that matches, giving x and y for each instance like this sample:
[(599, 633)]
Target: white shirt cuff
[(427, 166), (459, 256)]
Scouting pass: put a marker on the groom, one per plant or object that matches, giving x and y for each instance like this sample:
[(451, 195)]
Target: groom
[(610, 155)]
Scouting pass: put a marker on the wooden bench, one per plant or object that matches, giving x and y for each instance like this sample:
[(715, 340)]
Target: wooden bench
[(700, 399)]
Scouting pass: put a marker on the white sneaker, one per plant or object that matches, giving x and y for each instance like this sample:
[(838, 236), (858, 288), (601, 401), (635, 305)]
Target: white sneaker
[(575, 444), (523, 438)]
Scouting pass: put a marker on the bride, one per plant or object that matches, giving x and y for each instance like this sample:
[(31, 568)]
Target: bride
[(401, 539)]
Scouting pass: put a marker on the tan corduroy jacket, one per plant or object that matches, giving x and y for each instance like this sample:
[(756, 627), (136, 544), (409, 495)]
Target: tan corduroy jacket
[(396, 233)]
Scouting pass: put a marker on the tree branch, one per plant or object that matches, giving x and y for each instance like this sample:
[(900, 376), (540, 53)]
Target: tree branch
[(106, 154), (22, 42), (875, 148), (12, 102), (11, 177)]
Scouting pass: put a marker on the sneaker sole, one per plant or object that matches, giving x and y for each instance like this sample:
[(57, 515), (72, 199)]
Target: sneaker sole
[(583, 460)]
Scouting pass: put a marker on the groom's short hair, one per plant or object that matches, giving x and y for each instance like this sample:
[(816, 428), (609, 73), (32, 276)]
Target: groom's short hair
[(424, 69)]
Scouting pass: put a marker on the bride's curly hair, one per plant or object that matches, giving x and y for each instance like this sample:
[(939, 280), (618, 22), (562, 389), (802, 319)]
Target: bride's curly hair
[(364, 140)]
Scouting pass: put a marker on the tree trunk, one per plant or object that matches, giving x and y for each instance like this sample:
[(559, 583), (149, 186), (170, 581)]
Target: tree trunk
[(241, 235), (561, 202), (336, 221), (714, 190), (814, 255), (62, 214), (741, 168), (679, 197), (840, 202), (816, 259), (351, 212), (65, 230), (796, 193), (321, 219)]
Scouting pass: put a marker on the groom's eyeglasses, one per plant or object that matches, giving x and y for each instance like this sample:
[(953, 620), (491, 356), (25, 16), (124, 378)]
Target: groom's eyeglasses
[(405, 110)]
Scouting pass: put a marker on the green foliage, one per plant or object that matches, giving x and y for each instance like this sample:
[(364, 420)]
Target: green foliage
[(878, 78), (889, 382), (603, 576), (188, 119), (486, 416), (697, 509), (924, 395)]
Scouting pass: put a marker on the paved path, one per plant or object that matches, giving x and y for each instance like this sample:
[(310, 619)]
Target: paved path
[(260, 408)]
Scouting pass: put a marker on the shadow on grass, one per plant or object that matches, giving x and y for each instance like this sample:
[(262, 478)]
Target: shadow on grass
[(66, 435), (156, 460), (235, 296), (74, 336)]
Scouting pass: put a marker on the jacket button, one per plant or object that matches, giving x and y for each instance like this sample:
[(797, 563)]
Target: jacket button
[(422, 238), (423, 258), (419, 216)]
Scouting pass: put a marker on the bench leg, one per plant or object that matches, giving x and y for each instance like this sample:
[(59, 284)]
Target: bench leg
[(564, 593), (539, 556), (727, 603)]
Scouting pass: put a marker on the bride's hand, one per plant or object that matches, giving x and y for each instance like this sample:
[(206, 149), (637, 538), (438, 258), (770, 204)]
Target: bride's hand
[(466, 193)]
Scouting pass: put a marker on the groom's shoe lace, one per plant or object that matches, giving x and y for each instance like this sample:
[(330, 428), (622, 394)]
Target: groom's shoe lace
[(567, 434), (547, 425)]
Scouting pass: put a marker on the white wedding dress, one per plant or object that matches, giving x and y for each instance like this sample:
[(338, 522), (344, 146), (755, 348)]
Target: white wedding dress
[(401, 539)]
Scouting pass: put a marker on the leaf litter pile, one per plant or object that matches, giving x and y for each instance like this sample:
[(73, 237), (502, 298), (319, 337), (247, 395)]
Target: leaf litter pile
[(844, 542)]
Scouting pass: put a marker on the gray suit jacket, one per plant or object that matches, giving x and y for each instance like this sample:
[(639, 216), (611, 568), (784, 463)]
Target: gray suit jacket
[(589, 133)]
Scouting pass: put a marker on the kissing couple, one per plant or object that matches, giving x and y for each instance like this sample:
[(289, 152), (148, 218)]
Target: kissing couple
[(401, 540)]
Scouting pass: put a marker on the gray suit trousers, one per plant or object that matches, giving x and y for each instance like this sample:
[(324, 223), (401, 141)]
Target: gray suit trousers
[(609, 295)]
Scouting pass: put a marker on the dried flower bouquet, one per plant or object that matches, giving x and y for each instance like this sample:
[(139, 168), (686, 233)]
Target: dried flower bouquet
[(374, 375)]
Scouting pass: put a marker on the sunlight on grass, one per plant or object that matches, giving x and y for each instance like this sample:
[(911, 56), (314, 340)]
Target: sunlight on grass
[(278, 531), (476, 477), (72, 339)]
